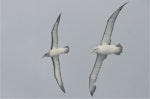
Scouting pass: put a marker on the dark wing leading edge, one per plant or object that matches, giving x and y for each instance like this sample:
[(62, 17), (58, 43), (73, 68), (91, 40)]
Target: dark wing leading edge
[(110, 25), (92, 79), (54, 33), (57, 72)]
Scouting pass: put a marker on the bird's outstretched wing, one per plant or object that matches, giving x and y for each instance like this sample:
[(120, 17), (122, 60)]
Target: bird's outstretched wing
[(109, 27), (54, 34), (92, 79), (57, 72)]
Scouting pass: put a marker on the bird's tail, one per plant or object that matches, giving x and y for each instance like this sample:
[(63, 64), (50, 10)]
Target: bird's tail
[(120, 48), (67, 49)]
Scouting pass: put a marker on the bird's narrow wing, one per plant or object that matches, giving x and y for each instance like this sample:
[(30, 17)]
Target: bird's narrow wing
[(54, 33), (57, 72), (109, 27), (92, 79)]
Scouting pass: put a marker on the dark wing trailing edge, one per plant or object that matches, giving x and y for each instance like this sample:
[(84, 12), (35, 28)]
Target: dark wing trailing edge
[(57, 72), (54, 33), (95, 72), (110, 25)]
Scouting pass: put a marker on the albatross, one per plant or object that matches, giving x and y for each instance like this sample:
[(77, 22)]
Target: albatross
[(54, 53), (103, 49)]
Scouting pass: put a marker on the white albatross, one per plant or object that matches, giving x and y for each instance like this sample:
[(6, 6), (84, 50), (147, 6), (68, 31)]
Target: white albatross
[(54, 53), (105, 48)]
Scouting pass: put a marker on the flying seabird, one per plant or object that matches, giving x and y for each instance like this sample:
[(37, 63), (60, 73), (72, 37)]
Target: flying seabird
[(54, 53), (104, 48)]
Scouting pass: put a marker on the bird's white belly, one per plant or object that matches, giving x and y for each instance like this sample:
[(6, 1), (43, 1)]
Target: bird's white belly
[(107, 49), (57, 51)]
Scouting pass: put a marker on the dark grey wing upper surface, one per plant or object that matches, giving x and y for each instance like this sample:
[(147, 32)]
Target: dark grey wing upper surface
[(92, 79), (57, 72), (54, 33), (109, 27)]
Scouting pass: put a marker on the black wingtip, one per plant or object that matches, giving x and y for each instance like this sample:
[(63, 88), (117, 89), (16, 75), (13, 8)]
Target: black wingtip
[(62, 88), (58, 19), (120, 8), (61, 85), (59, 15), (123, 5), (92, 91)]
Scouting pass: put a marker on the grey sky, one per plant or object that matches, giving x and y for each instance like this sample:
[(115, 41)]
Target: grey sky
[(0, 44), (26, 27)]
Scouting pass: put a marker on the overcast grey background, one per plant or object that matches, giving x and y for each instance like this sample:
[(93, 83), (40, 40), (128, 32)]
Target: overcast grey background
[(26, 27), (0, 45)]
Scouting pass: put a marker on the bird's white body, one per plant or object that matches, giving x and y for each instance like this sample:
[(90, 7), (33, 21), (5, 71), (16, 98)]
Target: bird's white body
[(57, 51), (107, 49)]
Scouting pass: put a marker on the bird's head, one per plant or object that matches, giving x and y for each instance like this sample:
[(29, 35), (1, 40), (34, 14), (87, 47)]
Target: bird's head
[(94, 50), (46, 55)]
